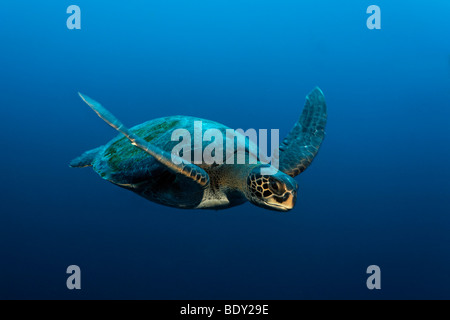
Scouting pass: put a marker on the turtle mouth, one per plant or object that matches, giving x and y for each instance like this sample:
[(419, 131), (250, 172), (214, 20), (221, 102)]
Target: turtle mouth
[(280, 208)]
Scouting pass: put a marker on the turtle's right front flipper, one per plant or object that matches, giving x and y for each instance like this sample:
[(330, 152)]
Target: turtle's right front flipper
[(184, 168)]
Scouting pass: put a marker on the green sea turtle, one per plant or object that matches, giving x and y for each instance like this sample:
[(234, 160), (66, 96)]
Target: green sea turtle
[(140, 159)]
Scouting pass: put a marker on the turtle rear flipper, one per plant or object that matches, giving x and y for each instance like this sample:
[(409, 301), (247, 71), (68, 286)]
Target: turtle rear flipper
[(86, 159)]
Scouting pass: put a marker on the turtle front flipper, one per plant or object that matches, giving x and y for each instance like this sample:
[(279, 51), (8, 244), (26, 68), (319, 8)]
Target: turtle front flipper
[(301, 145), (180, 166)]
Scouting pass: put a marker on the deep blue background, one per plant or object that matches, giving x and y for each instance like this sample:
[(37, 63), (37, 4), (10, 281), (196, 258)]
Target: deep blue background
[(378, 192)]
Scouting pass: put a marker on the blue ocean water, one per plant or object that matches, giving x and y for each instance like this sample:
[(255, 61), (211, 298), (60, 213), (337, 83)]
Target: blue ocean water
[(378, 192)]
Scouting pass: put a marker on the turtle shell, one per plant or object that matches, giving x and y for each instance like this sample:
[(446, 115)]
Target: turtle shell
[(122, 163)]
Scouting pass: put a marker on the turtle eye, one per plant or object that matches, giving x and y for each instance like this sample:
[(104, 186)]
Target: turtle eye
[(275, 186)]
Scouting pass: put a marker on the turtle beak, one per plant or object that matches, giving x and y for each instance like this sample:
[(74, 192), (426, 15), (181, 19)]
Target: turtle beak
[(289, 203)]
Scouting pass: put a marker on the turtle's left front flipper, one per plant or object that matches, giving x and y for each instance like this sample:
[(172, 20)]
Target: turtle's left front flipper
[(171, 161), (301, 145)]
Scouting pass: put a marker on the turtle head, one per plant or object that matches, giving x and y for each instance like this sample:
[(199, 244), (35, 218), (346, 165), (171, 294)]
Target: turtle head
[(276, 191)]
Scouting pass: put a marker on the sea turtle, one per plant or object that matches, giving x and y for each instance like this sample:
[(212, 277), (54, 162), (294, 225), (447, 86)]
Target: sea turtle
[(140, 159)]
